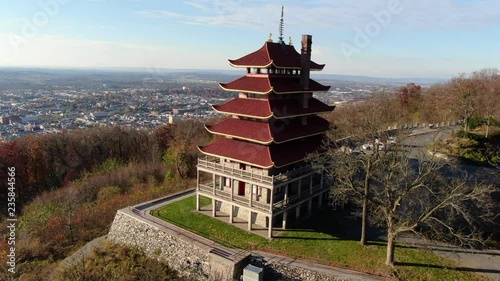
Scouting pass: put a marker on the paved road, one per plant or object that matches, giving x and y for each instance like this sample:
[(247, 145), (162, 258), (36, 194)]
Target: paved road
[(486, 262), (420, 139), (483, 262)]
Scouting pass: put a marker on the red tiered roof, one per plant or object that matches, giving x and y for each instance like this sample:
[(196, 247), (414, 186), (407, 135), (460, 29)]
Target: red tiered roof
[(277, 131), (258, 108), (274, 54), (263, 156), (265, 84), (265, 109)]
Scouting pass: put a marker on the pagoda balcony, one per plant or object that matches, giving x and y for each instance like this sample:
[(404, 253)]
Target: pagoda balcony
[(296, 199), (213, 165), (208, 189)]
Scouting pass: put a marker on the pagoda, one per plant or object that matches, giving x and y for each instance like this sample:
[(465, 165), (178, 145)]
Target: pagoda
[(257, 170)]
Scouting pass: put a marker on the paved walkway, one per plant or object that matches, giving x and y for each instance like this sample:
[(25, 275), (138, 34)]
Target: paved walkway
[(483, 262), (324, 269)]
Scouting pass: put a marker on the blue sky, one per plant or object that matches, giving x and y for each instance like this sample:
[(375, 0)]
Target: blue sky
[(383, 38)]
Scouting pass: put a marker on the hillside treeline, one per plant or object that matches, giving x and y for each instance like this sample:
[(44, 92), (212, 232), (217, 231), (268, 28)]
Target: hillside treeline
[(70, 185), (47, 162), (472, 98)]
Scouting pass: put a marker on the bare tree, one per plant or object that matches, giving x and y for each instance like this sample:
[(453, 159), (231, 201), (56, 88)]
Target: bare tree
[(353, 179), (409, 195), (488, 80), (465, 91)]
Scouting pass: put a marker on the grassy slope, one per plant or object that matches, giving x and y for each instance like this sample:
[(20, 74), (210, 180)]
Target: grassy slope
[(325, 245)]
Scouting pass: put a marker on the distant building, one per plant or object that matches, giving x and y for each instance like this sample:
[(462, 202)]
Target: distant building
[(4, 120), (174, 119), (180, 111), (29, 119), (99, 115), (15, 119), (258, 171)]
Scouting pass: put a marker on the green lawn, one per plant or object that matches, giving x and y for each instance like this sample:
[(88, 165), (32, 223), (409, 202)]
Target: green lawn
[(318, 241)]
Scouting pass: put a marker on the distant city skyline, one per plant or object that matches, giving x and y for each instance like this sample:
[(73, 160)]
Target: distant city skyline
[(379, 38)]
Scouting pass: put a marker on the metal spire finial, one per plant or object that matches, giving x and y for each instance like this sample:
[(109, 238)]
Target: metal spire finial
[(290, 42), (282, 25)]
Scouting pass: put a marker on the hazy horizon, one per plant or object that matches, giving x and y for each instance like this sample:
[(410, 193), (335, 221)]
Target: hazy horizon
[(386, 39)]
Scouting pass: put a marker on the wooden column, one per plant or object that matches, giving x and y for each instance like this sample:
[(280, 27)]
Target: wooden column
[(197, 190), (221, 182), (231, 214), (251, 195), (213, 187), (320, 200), (270, 230), (272, 200), (232, 191), (309, 207), (197, 202), (285, 215), (214, 211), (197, 180), (250, 220)]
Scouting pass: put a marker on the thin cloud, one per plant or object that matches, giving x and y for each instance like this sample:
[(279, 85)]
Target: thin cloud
[(197, 6), (341, 14), (161, 14)]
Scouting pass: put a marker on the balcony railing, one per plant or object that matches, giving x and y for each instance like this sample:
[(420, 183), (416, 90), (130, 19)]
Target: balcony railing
[(207, 188), (212, 164), (230, 170), (294, 198)]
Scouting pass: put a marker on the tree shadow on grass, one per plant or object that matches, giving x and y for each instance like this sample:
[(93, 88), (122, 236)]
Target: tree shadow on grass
[(340, 224), (445, 248), (464, 269)]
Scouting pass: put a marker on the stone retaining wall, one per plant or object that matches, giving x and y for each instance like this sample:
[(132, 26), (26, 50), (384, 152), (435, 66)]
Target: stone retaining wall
[(186, 257), (275, 271)]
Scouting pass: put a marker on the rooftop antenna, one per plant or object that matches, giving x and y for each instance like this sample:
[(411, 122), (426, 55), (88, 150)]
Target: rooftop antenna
[(282, 26)]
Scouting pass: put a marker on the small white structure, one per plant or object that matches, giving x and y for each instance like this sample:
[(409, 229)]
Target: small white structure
[(253, 273)]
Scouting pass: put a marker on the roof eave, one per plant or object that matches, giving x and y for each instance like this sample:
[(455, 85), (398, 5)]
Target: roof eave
[(244, 91), (244, 115), (238, 137), (236, 160)]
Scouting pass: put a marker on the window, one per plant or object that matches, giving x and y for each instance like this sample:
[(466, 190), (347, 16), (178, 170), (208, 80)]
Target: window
[(257, 190)]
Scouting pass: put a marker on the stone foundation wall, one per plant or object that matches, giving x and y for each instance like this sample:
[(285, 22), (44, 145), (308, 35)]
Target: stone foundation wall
[(184, 256), (278, 271)]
